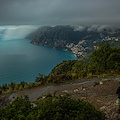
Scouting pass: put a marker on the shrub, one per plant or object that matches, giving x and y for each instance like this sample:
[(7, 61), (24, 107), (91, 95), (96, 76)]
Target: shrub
[(51, 108)]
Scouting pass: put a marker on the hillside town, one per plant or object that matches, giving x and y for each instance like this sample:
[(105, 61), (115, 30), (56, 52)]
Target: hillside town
[(82, 48)]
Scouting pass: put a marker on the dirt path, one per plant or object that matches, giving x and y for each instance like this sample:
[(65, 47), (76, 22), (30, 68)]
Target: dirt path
[(39, 91), (102, 96), (64, 88)]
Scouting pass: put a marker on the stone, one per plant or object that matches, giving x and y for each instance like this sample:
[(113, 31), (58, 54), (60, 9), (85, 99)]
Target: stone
[(43, 97), (33, 104), (103, 108), (101, 83), (76, 90), (83, 98), (65, 91)]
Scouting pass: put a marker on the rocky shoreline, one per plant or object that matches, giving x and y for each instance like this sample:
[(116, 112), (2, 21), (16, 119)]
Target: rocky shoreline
[(80, 43)]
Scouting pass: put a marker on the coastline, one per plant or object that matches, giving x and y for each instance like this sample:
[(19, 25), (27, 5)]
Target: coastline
[(35, 43)]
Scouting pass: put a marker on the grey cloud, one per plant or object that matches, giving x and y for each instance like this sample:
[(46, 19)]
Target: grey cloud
[(51, 12), (98, 28)]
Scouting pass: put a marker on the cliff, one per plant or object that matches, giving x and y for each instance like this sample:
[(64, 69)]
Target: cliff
[(79, 42)]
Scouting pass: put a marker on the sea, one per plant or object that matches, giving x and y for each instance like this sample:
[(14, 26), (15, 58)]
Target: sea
[(22, 61)]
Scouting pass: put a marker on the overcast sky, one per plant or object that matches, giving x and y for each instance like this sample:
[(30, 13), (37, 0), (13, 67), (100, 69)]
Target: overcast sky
[(53, 12)]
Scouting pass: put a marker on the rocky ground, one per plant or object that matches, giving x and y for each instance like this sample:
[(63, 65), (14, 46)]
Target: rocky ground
[(102, 96)]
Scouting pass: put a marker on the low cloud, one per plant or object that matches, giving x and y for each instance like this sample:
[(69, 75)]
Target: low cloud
[(53, 12), (16, 32), (98, 28)]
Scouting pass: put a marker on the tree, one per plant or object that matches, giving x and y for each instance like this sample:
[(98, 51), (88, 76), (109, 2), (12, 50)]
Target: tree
[(105, 58), (113, 61), (41, 78), (4, 87), (10, 89), (21, 87), (16, 86), (12, 85)]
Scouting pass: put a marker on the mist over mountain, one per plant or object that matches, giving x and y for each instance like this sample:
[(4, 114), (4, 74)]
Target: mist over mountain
[(98, 28), (16, 32), (80, 40)]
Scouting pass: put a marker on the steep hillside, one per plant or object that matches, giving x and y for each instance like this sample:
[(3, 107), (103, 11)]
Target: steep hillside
[(104, 62), (79, 42)]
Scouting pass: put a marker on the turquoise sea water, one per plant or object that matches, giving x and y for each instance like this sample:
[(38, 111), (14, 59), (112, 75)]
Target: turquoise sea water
[(22, 61)]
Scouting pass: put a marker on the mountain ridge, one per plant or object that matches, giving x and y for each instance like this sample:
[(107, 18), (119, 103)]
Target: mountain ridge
[(77, 41)]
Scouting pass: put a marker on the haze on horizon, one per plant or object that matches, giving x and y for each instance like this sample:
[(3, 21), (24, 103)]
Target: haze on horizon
[(59, 12)]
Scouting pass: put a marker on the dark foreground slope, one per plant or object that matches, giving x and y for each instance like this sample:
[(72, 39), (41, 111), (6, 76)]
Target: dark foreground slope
[(101, 95)]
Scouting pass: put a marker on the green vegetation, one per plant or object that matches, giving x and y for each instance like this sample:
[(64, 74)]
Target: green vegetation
[(104, 62), (13, 87), (50, 108), (105, 58)]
